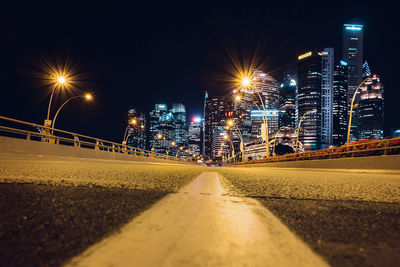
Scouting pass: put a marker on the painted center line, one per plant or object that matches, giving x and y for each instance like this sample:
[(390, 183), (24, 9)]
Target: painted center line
[(202, 226)]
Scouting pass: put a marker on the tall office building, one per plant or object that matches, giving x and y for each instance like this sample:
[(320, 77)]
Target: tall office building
[(340, 85), (137, 132), (214, 116), (371, 109), (309, 96), (159, 111), (327, 97), (287, 101), (194, 135), (257, 119), (353, 55), (218, 145), (180, 134)]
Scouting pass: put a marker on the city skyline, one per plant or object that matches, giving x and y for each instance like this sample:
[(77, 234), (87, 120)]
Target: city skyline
[(112, 108)]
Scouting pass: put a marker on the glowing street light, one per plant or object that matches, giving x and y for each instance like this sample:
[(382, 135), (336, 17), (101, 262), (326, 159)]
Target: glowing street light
[(60, 81), (172, 144), (87, 97), (133, 122), (158, 137), (246, 81)]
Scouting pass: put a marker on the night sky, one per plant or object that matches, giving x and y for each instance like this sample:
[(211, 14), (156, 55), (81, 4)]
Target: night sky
[(136, 55)]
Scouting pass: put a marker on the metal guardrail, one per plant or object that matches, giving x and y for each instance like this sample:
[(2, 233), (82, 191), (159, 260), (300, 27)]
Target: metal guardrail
[(363, 148), (61, 137)]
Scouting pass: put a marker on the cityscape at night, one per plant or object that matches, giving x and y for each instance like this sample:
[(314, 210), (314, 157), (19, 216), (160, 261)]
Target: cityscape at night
[(199, 135)]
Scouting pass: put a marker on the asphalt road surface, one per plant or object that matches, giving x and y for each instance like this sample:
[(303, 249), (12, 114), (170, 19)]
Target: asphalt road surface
[(74, 211)]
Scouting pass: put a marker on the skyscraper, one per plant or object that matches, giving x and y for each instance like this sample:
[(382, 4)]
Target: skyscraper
[(287, 101), (180, 134), (137, 132), (340, 85), (194, 135), (214, 116), (353, 55), (371, 109), (327, 97), (309, 95), (159, 111)]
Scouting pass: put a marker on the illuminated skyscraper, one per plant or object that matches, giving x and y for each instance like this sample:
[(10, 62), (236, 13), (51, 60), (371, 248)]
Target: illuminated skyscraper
[(137, 132), (309, 96), (180, 132), (353, 55), (340, 77), (159, 111), (214, 116), (371, 109), (327, 98), (194, 136), (287, 101)]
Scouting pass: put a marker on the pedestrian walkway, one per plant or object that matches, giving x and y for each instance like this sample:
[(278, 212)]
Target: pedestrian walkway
[(202, 225)]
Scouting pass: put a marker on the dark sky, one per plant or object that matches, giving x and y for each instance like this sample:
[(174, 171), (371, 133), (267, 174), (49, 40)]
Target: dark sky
[(136, 55)]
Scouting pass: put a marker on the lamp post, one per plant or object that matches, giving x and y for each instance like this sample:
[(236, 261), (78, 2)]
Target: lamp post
[(172, 144), (351, 111), (226, 137), (231, 124), (87, 97), (298, 127), (180, 149), (158, 136), (133, 121), (246, 82)]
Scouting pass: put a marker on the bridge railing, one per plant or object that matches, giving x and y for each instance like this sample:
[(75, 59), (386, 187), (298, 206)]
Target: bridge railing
[(362, 148), (35, 132)]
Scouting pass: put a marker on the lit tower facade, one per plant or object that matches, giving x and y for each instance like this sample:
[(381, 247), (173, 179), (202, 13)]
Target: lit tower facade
[(340, 85), (180, 134), (371, 109), (327, 98), (159, 111), (214, 116), (287, 101), (309, 96), (194, 135), (353, 55)]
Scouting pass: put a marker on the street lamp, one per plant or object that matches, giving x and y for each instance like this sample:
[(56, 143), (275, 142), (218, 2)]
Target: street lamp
[(132, 121), (158, 137), (298, 127), (351, 110), (172, 144), (246, 82), (231, 124), (60, 82), (87, 97), (180, 149), (226, 138)]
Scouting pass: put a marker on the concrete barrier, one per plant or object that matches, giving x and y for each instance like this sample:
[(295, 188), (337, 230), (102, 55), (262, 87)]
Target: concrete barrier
[(390, 162), (28, 147)]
